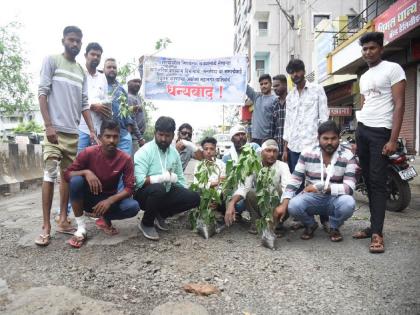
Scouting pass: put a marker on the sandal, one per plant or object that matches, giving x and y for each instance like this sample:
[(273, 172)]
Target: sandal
[(65, 229), (377, 244), (43, 240), (365, 233), (335, 235), (309, 231), (108, 229), (77, 241)]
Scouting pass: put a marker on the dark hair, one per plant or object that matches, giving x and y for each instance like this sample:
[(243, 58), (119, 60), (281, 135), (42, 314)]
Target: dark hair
[(134, 80), (185, 126), (208, 140), (110, 125), (264, 77), (165, 124), (295, 65), (327, 126), (94, 46), (280, 77), (377, 37), (72, 29)]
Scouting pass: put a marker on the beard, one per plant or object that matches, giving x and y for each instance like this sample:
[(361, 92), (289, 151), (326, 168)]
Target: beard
[(94, 64), (73, 51)]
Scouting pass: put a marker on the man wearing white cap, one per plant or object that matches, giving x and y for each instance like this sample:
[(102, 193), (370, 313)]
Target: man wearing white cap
[(238, 137), (269, 154)]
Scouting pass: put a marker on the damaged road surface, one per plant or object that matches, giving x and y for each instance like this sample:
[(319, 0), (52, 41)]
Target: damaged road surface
[(127, 274)]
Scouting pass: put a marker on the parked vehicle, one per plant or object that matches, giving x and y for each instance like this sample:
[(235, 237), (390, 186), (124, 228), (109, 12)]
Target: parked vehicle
[(399, 173), (223, 144)]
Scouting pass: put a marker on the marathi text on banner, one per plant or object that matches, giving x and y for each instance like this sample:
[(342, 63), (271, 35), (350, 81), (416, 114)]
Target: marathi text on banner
[(221, 80)]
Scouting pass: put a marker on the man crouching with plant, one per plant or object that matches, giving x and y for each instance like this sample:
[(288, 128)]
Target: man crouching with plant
[(261, 191), (329, 172)]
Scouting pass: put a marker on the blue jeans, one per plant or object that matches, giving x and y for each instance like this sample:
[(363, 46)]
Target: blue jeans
[(305, 205), (126, 144), (240, 206), (84, 141), (79, 190)]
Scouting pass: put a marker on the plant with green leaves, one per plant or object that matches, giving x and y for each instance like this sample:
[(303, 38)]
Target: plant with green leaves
[(267, 198), (209, 195), (249, 163)]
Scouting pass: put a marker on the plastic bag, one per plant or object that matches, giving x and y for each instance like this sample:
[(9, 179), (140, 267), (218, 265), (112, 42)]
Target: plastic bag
[(268, 238), (205, 230)]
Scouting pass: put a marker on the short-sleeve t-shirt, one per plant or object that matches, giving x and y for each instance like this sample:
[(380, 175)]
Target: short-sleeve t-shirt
[(375, 86)]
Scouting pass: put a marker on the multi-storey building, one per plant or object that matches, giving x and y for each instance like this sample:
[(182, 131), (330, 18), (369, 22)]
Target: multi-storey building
[(271, 32)]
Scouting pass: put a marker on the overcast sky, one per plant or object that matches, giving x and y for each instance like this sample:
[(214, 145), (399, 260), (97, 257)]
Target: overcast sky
[(128, 29)]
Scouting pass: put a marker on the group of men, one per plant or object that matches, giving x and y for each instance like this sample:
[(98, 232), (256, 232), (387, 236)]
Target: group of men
[(318, 179)]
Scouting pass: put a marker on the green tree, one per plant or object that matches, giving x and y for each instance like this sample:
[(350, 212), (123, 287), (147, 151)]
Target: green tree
[(15, 95)]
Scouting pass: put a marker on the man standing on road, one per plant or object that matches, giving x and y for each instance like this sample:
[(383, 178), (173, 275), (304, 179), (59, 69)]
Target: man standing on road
[(139, 119), (186, 149), (329, 171), (63, 97), (97, 95), (93, 180), (263, 106), (279, 111), (160, 182), (382, 90)]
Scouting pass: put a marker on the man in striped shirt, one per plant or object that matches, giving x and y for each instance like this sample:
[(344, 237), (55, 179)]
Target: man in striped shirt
[(328, 170)]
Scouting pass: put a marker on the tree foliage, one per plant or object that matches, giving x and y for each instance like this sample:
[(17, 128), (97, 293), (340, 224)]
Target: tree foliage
[(15, 95), (30, 126)]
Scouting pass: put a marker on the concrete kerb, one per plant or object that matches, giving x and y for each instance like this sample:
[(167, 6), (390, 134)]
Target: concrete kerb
[(21, 166)]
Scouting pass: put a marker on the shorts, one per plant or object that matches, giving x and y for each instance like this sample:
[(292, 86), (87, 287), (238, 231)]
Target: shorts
[(65, 150)]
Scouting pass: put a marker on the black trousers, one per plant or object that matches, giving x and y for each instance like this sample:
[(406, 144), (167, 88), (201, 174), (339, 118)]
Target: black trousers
[(156, 201), (370, 142)]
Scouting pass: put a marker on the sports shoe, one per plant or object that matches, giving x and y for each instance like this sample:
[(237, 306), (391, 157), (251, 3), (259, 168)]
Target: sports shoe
[(149, 232), (161, 224)]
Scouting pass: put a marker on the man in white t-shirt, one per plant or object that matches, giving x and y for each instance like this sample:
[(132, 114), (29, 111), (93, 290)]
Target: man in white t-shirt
[(382, 90)]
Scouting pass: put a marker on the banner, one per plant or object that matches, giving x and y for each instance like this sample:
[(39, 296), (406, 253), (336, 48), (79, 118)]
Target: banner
[(400, 18), (221, 80)]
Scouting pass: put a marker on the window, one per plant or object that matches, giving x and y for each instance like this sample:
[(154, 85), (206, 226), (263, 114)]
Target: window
[(353, 22), (260, 67), (318, 18), (262, 28)]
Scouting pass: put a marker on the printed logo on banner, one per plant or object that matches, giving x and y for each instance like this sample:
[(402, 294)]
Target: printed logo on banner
[(221, 80)]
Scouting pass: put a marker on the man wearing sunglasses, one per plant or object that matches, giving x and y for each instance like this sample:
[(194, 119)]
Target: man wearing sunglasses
[(185, 147)]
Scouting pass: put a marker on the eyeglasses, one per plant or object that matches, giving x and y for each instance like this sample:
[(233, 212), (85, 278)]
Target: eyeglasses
[(186, 133)]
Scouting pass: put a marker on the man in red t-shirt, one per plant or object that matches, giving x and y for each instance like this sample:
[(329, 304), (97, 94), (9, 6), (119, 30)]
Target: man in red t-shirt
[(94, 177)]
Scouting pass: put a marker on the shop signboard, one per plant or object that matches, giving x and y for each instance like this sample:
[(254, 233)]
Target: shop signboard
[(400, 18)]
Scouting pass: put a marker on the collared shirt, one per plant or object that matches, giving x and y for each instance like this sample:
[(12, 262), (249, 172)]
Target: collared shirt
[(150, 160), (304, 113), (281, 177), (277, 123), (97, 93), (308, 169)]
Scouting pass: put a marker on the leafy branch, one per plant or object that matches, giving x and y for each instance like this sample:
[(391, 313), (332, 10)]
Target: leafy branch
[(209, 195), (267, 197)]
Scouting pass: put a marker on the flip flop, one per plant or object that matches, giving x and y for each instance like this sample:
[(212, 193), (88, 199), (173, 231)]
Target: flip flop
[(109, 230), (43, 240), (377, 244), (77, 241), (65, 229)]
